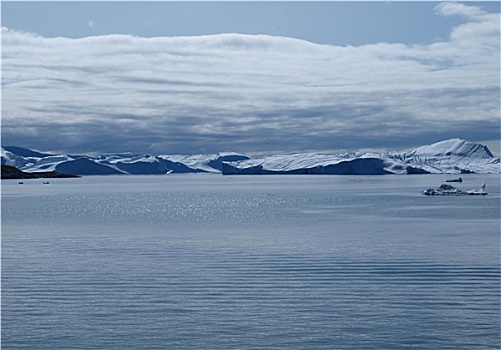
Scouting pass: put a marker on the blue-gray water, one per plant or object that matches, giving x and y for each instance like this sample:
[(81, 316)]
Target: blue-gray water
[(249, 262)]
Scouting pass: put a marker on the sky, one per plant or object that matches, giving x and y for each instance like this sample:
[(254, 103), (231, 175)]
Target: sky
[(248, 77)]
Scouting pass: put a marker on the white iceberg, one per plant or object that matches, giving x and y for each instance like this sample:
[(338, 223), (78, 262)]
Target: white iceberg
[(448, 190)]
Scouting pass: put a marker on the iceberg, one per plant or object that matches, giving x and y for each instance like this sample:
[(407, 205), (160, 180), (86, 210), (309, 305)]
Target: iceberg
[(448, 190)]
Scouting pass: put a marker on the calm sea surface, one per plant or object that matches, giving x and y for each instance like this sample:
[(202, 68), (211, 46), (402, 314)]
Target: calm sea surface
[(249, 262)]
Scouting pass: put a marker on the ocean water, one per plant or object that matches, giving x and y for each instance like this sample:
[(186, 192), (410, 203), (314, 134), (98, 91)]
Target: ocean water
[(249, 262)]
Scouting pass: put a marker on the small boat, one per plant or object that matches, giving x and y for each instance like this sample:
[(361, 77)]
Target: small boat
[(20, 182), (455, 180), (46, 183), (448, 190)]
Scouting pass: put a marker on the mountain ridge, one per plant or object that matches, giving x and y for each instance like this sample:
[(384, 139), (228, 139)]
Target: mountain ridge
[(454, 156)]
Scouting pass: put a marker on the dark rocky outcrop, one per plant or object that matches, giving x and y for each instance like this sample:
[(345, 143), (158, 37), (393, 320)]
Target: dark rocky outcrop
[(10, 172)]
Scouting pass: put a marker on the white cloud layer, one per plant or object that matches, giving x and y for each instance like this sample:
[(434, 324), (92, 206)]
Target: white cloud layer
[(249, 93), (457, 9)]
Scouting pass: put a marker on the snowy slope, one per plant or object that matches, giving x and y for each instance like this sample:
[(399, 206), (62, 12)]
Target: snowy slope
[(312, 163), (116, 163), (451, 156), (212, 163)]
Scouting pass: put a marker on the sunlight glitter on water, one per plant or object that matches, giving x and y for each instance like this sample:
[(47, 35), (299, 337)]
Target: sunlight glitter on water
[(249, 262)]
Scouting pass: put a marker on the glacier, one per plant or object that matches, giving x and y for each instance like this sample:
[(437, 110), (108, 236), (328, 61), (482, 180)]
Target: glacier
[(454, 156)]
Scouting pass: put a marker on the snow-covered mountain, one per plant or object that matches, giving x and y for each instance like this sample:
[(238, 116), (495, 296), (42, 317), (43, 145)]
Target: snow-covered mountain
[(451, 156), (116, 163)]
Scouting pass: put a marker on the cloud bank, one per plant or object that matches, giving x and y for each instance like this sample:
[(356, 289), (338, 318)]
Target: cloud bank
[(249, 93)]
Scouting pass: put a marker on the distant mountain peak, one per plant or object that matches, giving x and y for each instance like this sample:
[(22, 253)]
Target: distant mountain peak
[(456, 147), (452, 156), (24, 152)]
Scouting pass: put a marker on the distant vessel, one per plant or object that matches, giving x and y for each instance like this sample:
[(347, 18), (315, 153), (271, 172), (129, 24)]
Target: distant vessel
[(448, 190), (455, 180)]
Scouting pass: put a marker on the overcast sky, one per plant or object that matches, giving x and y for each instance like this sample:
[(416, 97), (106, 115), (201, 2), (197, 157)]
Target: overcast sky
[(249, 77)]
